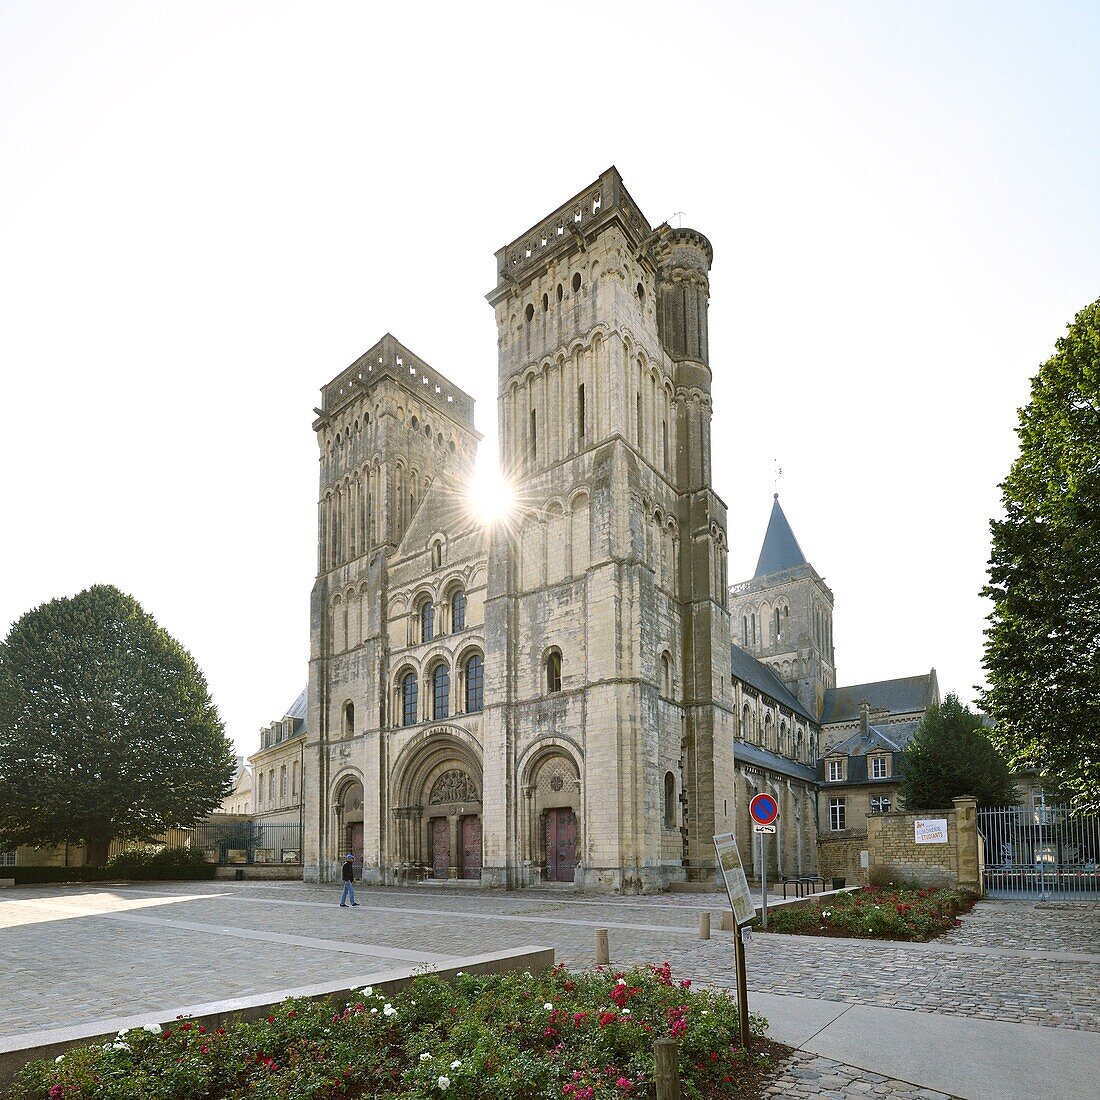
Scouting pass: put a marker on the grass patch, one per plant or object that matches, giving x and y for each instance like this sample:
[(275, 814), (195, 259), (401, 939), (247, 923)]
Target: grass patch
[(876, 913), (556, 1036)]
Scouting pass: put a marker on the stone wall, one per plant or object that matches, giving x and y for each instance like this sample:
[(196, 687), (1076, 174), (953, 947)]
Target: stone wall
[(891, 846), (839, 856)]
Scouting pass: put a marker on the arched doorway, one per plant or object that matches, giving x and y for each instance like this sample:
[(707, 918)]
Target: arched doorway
[(437, 808), (348, 807), (553, 804), (454, 816)]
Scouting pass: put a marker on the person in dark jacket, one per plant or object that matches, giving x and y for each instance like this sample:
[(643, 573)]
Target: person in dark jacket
[(349, 879)]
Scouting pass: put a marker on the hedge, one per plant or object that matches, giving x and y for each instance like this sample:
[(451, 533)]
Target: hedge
[(28, 876)]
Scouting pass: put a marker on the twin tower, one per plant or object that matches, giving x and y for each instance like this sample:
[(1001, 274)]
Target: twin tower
[(597, 747)]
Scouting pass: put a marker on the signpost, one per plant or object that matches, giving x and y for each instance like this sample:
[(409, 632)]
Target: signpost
[(737, 890), (764, 810)]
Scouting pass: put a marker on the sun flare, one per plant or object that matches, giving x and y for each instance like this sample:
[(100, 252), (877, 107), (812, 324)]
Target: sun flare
[(491, 497)]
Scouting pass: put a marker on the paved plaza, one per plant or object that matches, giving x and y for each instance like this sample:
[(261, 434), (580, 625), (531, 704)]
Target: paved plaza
[(81, 953)]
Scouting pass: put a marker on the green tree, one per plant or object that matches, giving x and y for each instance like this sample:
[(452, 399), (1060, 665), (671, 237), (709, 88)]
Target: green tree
[(106, 727), (1042, 650), (951, 755)]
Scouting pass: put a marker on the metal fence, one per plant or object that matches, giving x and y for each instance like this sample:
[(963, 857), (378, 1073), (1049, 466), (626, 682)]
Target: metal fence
[(243, 842), (1040, 851)]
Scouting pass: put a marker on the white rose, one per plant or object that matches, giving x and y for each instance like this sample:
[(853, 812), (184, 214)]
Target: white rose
[(444, 1083), (548, 1006), (60, 1058), (368, 991), (456, 1063), (425, 1057)]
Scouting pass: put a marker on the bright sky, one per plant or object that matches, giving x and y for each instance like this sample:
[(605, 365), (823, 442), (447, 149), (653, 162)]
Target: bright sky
[(207, 210)]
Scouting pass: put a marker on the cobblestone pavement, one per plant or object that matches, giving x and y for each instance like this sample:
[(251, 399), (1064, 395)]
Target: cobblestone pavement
[(808, 1075), (81, 953), (1031, 926)]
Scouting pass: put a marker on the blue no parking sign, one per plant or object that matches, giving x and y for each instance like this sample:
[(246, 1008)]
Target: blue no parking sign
[(763, 809)]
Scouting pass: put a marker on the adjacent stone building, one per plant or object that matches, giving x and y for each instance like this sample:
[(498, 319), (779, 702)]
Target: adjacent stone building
[(828, 754)]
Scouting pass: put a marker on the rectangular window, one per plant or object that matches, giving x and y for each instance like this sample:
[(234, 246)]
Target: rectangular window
[(664, 445), (880, 805), (7, 859), (837, 813), (836, 771), (534, 438), (639, 407), (580, 413), (878, 767)]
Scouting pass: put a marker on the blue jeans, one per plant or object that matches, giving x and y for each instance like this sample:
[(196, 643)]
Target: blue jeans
[(349, 891)]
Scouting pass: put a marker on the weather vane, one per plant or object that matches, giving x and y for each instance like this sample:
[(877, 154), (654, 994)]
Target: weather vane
[(777, 473), (679, 216)]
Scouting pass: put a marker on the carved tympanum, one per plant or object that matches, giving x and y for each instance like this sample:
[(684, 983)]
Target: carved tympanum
[(453, 786)]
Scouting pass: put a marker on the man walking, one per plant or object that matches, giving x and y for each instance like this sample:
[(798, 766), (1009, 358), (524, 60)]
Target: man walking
[(349, 879)]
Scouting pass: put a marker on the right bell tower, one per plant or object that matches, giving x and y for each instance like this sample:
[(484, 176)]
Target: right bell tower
[(683, 259)]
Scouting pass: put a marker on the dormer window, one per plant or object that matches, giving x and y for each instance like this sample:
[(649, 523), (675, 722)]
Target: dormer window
[(880, 767), (834, 770)]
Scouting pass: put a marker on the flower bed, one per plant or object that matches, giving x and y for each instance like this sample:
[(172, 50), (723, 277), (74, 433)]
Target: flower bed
[(876, 913), (557, 1036)]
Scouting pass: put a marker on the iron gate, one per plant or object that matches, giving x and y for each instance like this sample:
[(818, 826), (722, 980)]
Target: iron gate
[(1040, 851)]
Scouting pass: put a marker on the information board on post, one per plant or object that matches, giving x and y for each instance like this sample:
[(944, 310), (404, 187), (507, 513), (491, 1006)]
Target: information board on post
[(733, 875)]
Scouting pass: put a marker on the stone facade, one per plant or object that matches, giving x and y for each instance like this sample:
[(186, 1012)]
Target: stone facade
[(239, 800), (578, 724), (277, 768), (555, 697)]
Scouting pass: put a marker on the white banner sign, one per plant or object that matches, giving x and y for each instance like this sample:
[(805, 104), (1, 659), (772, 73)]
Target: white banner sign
[(932, 830)]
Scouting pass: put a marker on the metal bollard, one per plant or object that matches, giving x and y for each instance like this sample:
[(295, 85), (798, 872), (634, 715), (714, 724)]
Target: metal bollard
[(727, 921), (668, 1069), (603, 952), (704, 926)]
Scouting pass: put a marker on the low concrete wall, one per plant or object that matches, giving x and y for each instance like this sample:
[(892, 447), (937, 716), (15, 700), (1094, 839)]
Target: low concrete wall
[(264, 871), (892, 847), (17, 1050)]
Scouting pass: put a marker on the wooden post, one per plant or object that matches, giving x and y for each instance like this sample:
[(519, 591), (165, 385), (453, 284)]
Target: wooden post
[(704, 926), (742, 988), (603, 952), (727, 921), (668, 1069)]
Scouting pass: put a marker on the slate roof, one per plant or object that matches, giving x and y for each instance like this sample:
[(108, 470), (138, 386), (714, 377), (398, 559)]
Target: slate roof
[(905, 695), (780, 550), (892, 738), (748, 669), (744, 753), (300, 707)]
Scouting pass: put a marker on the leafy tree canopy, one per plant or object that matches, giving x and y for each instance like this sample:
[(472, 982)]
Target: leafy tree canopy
[(107, 728), (950, 756), (1042, 650)]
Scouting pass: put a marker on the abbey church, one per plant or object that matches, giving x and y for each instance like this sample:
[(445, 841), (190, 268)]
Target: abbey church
[(574, 693)]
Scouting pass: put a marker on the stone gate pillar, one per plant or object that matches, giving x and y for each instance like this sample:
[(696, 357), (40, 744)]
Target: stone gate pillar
[(966, 841)]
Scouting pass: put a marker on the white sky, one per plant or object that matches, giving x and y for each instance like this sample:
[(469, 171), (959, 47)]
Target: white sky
[(207, 210)]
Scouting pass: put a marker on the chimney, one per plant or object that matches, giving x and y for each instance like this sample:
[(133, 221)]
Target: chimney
[(864, 716)]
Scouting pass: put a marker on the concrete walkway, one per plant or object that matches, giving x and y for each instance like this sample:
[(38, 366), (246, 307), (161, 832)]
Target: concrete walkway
[(950, 1055)]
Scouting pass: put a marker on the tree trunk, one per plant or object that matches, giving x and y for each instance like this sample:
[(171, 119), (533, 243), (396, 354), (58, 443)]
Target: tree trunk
[(95, 852)]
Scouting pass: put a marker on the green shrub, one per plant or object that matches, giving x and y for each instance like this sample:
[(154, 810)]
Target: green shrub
[(879, 913), (558, 1036), (139, 863)]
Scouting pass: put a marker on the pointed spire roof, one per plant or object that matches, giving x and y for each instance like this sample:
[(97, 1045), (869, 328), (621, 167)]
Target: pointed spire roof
[(780, 550)]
